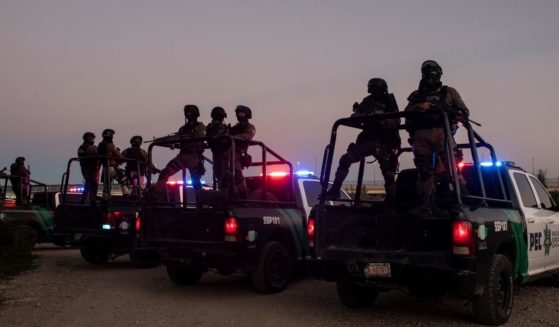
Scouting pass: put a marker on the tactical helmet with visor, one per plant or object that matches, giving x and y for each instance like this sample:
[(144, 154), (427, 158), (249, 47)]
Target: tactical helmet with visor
[(377, 86), (218, 113), (191, 111), (88, 137), (243, 111), (136, 140)]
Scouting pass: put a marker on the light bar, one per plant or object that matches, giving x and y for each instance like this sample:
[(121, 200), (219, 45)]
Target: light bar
[(490, 164), (180, 182), (304, 173)]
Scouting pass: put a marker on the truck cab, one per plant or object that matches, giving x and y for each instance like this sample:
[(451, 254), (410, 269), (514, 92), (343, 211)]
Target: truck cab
[(37, 212), (496, 231)]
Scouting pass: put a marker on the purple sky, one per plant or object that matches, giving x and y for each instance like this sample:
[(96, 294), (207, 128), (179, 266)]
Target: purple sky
[(67, 67)]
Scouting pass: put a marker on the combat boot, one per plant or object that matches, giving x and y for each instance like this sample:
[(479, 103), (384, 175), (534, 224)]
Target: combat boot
[(332, 194)]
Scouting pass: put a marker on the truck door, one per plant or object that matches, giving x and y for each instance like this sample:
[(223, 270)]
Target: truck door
[(550, 240), (535, 222)]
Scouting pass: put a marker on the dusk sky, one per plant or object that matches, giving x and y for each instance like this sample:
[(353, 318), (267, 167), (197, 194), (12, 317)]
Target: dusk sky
[(67, 67)]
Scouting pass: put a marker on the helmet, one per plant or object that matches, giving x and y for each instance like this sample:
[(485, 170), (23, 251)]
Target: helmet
[(377, 83), (108, 133), (88, 137), (191, 110), (218, 113), (20, 160), (244, 109), (431, 67), (136, 140)]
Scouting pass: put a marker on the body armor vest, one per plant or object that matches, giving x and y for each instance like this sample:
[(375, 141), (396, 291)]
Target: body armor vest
[(189, 131)]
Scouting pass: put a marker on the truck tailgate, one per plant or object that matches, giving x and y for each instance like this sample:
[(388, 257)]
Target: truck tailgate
[(172, 225), (371, 230), (77, 218)]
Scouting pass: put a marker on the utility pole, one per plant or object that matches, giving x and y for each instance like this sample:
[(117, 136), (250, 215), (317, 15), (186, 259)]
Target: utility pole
[(533, 171)]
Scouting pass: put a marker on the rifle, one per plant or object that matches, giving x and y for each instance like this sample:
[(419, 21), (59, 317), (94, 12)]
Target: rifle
[(455, 112)]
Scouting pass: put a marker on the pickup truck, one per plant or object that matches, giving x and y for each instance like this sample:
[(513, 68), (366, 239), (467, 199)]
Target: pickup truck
[(263, 235), (37, 214), (103, 231), (502, 230)]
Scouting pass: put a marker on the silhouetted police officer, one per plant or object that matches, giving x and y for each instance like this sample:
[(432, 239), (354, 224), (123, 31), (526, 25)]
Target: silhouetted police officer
[(19, 178), (89, 165), (190, 155), (136, 169), (114, 159), (242, 131), (427, 131), (380, 139), (219, 145)]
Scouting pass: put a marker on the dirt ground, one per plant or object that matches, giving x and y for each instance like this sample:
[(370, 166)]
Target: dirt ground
[(66, 291)]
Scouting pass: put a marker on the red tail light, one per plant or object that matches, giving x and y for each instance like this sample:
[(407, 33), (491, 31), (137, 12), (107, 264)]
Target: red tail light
[(462, 238), (231, 229), (138, 224), (310, 232), (113, 219)]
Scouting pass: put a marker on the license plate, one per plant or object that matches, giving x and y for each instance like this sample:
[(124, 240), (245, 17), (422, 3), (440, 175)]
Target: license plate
[(377, 270), (77, 236)]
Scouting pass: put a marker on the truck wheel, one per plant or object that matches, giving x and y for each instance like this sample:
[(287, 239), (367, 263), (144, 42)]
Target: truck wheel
[(494, 306), (184, 275), (355, 296), (95, 256), (24, 239), (273, 269)]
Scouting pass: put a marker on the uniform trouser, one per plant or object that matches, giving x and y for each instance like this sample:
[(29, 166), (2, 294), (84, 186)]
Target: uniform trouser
[(240, 184), (91, 179), (114, 174), (220, 164), (20, 189), (384, 153), (428, 145), (138, 183), (193, 162)]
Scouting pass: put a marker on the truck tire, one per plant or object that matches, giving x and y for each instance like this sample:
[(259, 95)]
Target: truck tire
[(94, 255), (355, 296), (184, 275), (24, 239), (494, 306), (273, 268)]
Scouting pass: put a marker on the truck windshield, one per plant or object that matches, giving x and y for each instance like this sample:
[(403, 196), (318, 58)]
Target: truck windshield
[(313, 189)]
